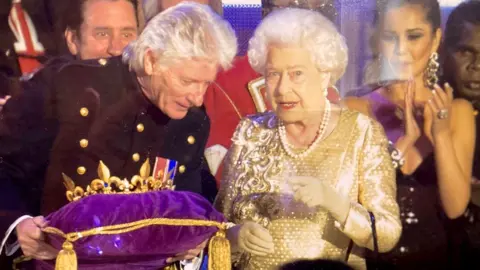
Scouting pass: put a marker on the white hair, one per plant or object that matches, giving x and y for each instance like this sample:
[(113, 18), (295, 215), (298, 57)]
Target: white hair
[(300, 28), (152, 8), (187, 30)]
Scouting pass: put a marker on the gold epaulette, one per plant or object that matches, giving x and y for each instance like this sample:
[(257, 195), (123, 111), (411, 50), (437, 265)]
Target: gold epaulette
[(107, 184)]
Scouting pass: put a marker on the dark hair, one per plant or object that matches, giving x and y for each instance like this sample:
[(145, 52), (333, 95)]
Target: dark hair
[(466, 12), (431, 7), (316, 265), (72, 15)]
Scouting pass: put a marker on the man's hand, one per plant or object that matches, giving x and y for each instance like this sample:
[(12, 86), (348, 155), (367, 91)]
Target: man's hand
[(190, 254), (32, 239)]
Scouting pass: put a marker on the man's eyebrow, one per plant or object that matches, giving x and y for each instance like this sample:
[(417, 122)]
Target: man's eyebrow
[(129, 28), (102, 28)]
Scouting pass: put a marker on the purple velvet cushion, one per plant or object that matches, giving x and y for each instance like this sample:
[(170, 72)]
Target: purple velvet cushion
[(145, 248)]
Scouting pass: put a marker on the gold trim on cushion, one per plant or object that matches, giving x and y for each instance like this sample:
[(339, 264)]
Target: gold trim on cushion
[(218, 248)]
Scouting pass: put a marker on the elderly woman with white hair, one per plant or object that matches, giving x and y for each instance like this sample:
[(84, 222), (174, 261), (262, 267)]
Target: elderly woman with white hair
[(308, 180)]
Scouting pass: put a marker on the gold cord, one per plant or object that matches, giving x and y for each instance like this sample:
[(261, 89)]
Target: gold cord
[(132, 226), (219, 246), (229, 100)]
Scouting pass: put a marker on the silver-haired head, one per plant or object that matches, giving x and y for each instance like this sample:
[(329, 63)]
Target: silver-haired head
[(305, 29), (187, 30)]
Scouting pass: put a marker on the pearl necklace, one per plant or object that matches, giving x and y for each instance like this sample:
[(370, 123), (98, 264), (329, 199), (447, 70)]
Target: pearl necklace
[(320, 133)]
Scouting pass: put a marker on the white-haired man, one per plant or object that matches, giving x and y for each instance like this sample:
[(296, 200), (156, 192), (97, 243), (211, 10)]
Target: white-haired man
[(155, 113)]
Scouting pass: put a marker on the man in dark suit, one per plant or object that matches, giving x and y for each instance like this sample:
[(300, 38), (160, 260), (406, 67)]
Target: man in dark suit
[(92, 29), (84, 29), (100, 110)]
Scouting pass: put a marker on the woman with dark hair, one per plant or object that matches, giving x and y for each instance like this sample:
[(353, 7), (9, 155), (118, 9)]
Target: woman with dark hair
[(432, 134)]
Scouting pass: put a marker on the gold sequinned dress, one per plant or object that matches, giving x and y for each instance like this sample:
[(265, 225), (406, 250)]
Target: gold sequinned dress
[(354, 158)]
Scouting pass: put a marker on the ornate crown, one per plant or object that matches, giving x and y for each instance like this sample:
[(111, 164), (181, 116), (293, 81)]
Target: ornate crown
[(107, 184)]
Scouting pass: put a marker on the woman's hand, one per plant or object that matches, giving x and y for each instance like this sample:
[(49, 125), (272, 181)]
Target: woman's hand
[(438, 112), (316, 193), (252, 238), (412, 131)]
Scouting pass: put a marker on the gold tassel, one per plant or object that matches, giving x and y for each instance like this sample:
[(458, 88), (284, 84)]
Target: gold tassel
[(66, 258), (219, 257), (219, 246), (170, 267)]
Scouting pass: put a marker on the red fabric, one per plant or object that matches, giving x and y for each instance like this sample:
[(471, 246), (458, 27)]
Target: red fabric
[(223, 116), (27, 45)]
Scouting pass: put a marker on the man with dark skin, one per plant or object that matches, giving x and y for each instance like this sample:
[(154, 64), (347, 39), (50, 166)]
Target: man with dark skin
[(461, 65), (462, 58)]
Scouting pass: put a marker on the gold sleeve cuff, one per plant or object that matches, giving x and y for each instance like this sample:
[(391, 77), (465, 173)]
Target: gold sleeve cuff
[(357, 226)]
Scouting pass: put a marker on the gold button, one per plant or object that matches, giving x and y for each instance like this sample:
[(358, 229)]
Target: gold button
[(102, 61), (136, 157), (140, 127), (191, 139), (84, 112), (181, 169), (81, 170), (83, 143)]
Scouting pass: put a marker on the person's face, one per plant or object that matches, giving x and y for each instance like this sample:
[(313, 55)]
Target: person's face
[(180, 86), (294, 84), (407, 41), (464, 63), (107, 28)]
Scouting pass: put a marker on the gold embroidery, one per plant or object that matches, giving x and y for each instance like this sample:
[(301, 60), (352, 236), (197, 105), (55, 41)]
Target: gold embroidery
[(353, 158)]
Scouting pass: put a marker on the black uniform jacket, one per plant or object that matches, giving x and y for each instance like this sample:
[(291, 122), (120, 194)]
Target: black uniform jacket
[(85, 112)]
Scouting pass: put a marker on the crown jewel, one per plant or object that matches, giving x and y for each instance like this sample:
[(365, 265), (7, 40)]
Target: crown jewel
[(107, 184)]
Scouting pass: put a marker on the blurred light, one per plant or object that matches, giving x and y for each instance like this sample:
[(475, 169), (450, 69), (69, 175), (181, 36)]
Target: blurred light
[(450, 3), (242, 2), (444, 3)]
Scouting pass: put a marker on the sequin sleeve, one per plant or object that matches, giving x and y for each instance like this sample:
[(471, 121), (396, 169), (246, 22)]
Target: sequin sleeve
[(227, 192), (377, 194)]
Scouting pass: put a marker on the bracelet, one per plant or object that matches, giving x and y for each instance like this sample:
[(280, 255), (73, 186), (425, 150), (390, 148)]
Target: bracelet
[(396, 155)]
